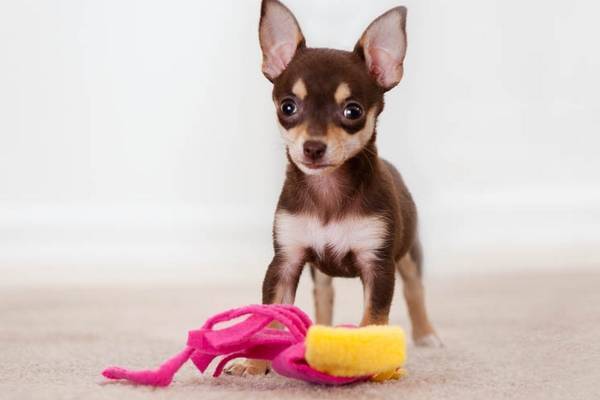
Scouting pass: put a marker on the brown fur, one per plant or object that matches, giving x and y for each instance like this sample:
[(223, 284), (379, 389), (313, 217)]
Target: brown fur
[(321, 83), (363, 185)]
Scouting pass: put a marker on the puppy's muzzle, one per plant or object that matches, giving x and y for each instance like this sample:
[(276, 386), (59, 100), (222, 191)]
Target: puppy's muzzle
[(314, 150)]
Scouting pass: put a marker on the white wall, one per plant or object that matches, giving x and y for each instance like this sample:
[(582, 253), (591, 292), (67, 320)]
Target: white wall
[(140, 135)]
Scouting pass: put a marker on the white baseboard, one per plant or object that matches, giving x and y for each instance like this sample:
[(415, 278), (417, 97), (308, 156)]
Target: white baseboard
[(132, 242), (475, 234)]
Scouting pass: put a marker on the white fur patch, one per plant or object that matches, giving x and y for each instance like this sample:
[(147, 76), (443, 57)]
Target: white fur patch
[(361, 235)]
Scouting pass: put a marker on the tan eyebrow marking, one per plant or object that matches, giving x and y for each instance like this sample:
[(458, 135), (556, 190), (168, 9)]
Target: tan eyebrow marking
[(299, 89), (342, 93)]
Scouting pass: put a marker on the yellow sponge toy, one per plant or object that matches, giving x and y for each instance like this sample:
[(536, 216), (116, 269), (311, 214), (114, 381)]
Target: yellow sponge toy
[(376, 350)]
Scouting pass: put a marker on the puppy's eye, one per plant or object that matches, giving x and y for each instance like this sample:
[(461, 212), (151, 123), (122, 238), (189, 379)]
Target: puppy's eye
[(353, 111), (289, 107)]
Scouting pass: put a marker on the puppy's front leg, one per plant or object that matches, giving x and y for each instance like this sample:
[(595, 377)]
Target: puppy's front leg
[(279, 287), (281, 279), (378, 285)]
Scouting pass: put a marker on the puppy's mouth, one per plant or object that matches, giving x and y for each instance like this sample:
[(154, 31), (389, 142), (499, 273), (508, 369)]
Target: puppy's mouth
[(316, 165)]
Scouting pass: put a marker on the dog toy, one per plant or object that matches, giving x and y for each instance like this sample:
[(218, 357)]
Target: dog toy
[(312, 353)]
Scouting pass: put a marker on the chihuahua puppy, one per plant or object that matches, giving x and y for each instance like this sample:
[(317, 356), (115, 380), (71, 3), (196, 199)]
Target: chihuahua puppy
[(343, 210)]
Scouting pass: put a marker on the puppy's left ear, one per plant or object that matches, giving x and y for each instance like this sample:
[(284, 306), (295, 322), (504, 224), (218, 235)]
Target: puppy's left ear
[(280, 37), (383, 47)]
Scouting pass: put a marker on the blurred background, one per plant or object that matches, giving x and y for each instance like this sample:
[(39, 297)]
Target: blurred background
[(138, 139)]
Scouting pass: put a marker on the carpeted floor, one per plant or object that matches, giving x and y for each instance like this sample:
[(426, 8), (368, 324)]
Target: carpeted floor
[(513, 337)]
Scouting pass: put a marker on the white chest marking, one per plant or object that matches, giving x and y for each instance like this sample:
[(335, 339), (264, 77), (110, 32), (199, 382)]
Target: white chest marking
[(361, 235)]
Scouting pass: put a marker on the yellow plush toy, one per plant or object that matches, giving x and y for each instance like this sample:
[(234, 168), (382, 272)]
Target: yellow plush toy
[(376, 351)]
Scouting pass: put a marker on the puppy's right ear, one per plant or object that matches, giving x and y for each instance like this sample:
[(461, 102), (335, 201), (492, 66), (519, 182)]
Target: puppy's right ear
[(280, 37)]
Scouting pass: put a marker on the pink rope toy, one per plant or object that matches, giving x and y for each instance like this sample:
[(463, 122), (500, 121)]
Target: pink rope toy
[(250, 338)]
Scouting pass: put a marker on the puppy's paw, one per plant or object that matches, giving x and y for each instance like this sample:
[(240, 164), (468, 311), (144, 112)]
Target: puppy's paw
[(248, 368), (428, 340)]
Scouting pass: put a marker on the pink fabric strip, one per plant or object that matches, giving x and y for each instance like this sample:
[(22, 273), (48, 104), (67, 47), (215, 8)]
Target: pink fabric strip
[(298, 317), (293, 319), (162, 376)]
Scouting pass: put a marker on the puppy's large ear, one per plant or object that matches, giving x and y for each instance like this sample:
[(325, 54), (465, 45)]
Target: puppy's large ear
[(280, 37), (383, 47)]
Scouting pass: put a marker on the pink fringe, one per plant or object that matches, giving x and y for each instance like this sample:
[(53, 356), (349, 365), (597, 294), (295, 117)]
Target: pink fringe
[(250, 338)]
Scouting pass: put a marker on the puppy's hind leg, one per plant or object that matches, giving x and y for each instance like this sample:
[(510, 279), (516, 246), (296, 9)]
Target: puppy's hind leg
[(422, 331), (323, 294)]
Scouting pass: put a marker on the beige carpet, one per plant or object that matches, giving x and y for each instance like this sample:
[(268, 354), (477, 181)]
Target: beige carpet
[(513, 337)]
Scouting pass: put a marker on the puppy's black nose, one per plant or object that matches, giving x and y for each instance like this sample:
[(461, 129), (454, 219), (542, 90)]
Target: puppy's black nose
[(314, 150)]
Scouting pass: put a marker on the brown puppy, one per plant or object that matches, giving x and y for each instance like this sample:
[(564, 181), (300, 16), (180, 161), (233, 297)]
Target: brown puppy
[(343, 210)]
